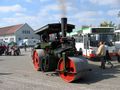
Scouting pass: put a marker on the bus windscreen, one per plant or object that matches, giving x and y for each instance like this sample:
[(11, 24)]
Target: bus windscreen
[(107, 38)]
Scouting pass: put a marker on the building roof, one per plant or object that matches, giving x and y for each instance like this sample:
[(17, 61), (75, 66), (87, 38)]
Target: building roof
[(10, 29)]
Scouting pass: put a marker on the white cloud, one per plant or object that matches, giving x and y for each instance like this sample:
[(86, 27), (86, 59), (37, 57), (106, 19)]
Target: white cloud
[(86, 18), (33, 21), (19, 14), (113, 12), (88, 14), (36, 21), (14, 8), (21, 19), (44, 0), (56, 8), (53, 7), (39, 19), (29, 1), (42, 18), (106, 2)]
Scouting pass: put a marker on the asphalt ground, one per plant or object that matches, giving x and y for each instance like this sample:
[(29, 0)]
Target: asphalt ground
[(17, 73)]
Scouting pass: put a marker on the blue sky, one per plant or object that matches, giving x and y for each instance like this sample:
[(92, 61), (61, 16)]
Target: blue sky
[(41, 12)]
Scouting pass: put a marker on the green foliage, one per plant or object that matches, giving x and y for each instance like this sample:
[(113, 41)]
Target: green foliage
[(107, 24)]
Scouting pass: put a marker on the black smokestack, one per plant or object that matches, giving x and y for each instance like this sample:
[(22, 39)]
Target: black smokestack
[(64, 26)]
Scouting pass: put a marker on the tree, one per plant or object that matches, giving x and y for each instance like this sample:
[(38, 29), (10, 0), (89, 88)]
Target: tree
[(107, 24), (111, 24), (104, 24)]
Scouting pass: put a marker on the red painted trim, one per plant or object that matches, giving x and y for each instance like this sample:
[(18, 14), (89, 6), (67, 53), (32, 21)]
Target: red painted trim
[(112, 54), (92, 55)]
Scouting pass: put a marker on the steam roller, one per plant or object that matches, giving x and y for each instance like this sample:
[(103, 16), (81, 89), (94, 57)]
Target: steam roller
[(60, 54)]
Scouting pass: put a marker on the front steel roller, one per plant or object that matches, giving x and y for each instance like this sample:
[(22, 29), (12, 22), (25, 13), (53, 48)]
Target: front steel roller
[(76, 68), (37, 54)]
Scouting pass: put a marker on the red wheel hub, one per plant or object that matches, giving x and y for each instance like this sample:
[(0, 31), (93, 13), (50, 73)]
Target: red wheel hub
[(68, 77)]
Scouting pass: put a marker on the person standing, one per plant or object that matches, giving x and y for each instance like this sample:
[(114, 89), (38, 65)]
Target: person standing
[(101, 52), (25, 47), (107, 56)]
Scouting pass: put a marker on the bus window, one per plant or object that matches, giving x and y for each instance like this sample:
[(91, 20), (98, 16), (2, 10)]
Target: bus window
[(108, 39), (78, 39), (86, 42), (94, 40), (117, 36)]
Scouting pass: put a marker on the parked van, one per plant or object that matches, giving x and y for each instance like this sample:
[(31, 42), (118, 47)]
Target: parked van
[(28, 42)]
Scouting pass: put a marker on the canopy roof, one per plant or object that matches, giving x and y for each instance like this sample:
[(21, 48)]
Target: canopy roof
[(54, 28)]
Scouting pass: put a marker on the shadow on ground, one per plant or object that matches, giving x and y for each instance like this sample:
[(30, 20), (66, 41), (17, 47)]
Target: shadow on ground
[(6, 73), (97, 74)]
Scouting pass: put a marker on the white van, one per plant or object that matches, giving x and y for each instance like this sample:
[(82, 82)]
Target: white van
[(28, 42)]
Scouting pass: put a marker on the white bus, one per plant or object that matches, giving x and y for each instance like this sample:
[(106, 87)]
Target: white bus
[(88, 38), (117, 39)]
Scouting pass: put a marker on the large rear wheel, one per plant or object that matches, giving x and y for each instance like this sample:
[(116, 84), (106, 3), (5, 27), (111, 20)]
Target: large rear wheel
[(36, 61)]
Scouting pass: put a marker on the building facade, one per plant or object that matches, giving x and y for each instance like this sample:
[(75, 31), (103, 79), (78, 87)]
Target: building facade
[(16, 33)]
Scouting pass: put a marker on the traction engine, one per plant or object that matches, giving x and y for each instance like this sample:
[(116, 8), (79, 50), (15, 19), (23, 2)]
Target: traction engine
[(61, 56)]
